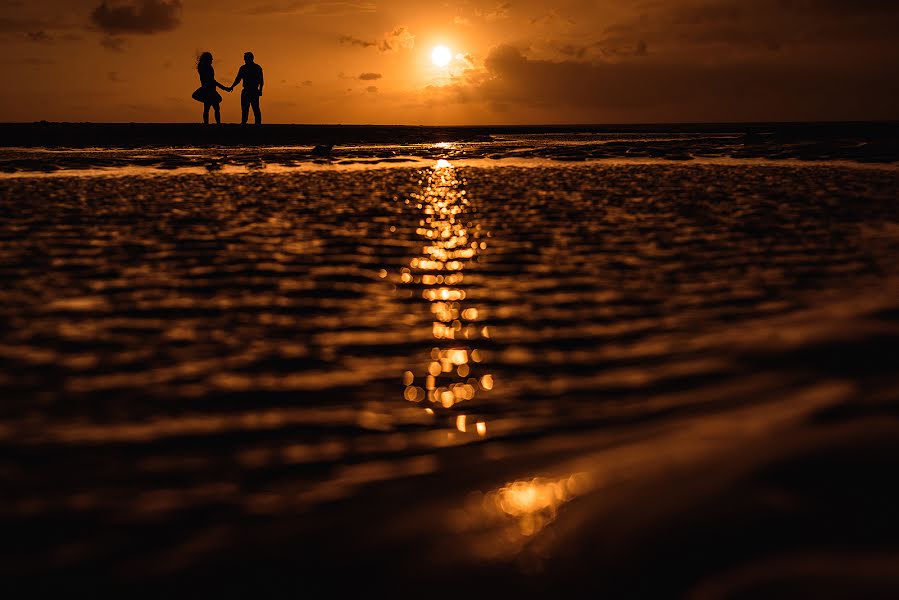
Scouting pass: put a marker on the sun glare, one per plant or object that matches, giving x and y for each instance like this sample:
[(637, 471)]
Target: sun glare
[(441, 56)]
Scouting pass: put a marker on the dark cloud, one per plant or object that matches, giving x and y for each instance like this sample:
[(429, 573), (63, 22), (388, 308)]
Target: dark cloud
[(328, 8), (500, 11), (40, 37), (722, 11), (517, 79), (622, 48), (370, 76), (372, 89), (113, 44), (734, 26), (552, 18), (639, 90), (306, 83), (140, 16), (348, 40), (605, 49), (398, 39), (570, 50)]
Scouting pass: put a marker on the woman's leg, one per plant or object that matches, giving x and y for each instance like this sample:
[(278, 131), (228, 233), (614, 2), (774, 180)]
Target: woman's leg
[(218, 114), (206, 113)]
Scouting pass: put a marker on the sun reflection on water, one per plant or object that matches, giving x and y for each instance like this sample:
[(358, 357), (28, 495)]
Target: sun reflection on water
[(454, 373), (504, 520)]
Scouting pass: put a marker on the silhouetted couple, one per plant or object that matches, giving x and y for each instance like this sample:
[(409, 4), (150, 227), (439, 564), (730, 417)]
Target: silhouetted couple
[(251, 75)]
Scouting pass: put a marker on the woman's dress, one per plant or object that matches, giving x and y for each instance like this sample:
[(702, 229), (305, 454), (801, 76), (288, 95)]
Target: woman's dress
[(206, 93)]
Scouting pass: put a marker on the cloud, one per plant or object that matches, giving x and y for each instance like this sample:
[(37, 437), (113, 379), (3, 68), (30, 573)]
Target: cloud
[(618, 48), (515, 79), (114, 77), (306, 83), (370, 76), (305, 7), (137, 16), (639, 90), (398, 39), (721, 29), (40, 37), (551, 18), (113, 44), (372, 89), (500, 11), (348, 40), (464, 62), (606, 49), (570, 50)]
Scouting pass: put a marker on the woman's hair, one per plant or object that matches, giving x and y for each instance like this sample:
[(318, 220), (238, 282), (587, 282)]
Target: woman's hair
[(205, 59)]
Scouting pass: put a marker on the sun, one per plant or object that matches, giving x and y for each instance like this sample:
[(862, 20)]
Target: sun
[(441, 56)]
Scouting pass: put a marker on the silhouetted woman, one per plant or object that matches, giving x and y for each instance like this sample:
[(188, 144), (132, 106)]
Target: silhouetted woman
[(207, 93)]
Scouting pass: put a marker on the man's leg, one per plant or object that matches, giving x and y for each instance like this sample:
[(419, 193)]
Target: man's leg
[(218, 114), (244, 108), (257, 112)]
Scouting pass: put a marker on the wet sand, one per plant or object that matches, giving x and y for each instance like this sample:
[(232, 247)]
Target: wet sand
[(876, 142), (670, 379)]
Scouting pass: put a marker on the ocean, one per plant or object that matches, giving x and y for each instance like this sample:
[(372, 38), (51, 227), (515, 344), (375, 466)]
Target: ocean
[(648, 362)]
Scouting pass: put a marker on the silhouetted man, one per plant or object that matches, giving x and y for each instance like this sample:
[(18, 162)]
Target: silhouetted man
[(251, 75)]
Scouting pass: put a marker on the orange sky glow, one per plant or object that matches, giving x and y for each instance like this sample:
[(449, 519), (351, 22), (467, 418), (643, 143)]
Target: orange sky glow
[(370, 61)]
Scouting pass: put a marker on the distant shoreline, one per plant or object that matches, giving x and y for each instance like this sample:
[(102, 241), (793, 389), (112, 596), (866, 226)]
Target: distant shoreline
[(135, 135)]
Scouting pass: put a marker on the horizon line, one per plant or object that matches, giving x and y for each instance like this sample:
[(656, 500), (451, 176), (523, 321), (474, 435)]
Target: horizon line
[(470, 126)]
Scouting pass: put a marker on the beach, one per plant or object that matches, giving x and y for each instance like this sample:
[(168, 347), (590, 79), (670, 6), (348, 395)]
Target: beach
[(645, 362)]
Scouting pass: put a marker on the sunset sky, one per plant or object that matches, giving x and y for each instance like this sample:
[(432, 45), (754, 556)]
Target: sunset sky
[(369, 61)]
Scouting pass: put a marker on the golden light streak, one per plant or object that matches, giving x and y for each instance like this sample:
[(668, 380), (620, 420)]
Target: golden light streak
[(451, 244)]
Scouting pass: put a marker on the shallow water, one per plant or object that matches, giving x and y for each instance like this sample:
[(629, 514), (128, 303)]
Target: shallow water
[(444, 368), (873, 145)]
